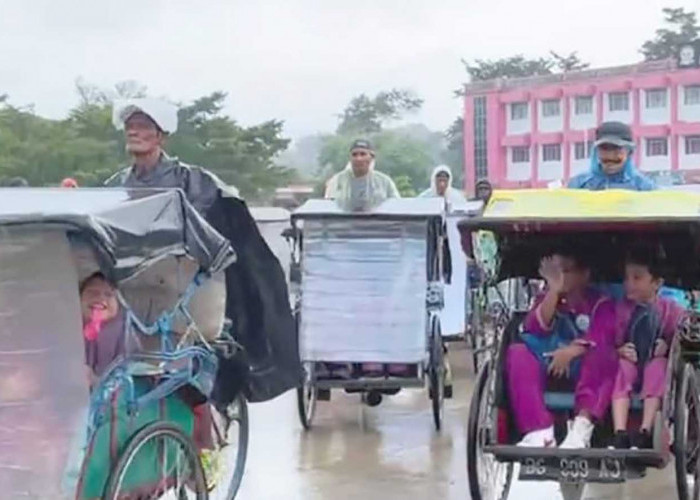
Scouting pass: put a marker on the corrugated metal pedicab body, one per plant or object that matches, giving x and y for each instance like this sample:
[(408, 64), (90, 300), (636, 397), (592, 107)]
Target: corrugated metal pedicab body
[(364, 287)]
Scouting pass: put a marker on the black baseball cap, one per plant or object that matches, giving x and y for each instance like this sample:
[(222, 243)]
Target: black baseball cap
[(362, 144), (615, 133)]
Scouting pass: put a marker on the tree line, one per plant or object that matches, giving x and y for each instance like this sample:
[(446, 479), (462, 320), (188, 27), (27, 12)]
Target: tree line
[(257, 159)]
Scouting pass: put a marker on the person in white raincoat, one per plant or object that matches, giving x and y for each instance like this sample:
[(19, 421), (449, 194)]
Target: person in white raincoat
[(359, 187), (441, 185)]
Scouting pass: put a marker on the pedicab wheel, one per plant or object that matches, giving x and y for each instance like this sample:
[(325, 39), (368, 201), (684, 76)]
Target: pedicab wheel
[(686, 435), (436, 373), (476, 328), (488, 478), (178, 473), (231, 433), (306, 397)]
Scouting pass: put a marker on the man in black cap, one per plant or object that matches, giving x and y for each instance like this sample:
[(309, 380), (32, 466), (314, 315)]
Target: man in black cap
[(359, 186), (484, 190), (611, 162)]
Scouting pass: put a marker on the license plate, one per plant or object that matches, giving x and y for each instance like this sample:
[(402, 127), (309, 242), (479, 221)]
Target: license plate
[(573, 469)]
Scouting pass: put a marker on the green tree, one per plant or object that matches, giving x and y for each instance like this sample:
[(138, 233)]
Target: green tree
[(570, 62), (508, 67), (405, 186), (88, 147), (681, 27), (243, 157), (453, 154), (405, 154), (365, 115)]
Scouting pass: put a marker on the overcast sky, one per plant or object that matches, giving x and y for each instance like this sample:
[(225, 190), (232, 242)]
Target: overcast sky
[(298, 60)]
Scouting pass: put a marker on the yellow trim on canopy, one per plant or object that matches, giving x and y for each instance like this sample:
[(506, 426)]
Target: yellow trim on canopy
[(579, 203)]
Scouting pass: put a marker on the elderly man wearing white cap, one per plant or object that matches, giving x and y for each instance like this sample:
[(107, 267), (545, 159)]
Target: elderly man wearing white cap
[(257, 301), (147, 123)]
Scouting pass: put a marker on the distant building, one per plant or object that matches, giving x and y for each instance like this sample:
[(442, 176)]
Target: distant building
[(529, 132)]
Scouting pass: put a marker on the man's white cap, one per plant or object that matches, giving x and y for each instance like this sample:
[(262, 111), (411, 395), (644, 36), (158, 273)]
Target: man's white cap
[(163, 113)]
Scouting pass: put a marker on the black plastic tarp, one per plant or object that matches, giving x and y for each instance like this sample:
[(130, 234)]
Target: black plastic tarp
[(128, 228), (256, 289)]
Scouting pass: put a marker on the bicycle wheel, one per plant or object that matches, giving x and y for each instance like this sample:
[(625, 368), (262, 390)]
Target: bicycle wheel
[(307, 395), (159, 462), (686, 433), (436, 374), (230, 429)]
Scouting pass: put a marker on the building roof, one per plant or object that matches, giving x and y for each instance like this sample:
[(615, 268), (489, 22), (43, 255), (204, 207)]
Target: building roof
[(500, 84)]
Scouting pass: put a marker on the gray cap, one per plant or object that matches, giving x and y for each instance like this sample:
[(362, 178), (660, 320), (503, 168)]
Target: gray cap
[(615, 133), (362, 144)]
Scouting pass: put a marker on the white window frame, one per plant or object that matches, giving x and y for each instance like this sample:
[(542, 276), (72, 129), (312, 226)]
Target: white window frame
[(551, 108), (612, 97), (691, 95), (519, 105), (651, 144), (578, 105), (584, 147), (692, 145), (525, 158), (656, 98), (551, 148)]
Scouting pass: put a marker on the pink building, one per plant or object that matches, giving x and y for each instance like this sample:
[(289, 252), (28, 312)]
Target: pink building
[(528, 132)]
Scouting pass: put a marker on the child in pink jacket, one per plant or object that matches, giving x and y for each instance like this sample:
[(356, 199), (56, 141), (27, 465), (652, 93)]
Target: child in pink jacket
[(646, 324), (569, 333)]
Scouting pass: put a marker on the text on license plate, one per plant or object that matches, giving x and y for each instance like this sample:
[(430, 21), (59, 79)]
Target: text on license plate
[(573, 469)]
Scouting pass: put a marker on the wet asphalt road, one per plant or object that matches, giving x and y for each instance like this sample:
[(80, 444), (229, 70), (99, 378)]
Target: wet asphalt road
[(390, 452)]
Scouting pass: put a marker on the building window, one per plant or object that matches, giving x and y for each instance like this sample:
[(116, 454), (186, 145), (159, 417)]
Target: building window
[(583, 105), (582, 150), (551, 107), (656, 98), (657, 146), (551, 152), (521, 154), (518, 111), (480, 141), (619, 101), (692, 95), (692, 145)]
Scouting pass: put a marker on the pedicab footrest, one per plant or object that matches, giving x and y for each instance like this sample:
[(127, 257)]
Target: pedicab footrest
[(565, 401), (593, 465), (367, 383)]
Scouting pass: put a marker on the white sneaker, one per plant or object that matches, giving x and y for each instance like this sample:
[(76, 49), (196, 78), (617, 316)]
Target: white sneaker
[(542, 438), (579, 435)]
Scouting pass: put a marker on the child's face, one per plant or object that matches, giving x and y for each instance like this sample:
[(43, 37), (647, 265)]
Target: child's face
[(99, 295), (575, 277), (640, 284)]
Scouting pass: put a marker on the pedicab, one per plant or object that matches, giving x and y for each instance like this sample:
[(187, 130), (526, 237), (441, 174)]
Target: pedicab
[(455, 315), (368, 290), (133, 435), (529, 224)]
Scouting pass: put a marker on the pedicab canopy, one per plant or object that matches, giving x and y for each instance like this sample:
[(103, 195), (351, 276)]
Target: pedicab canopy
[(600, 226), (129, 229), (43, 378)]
